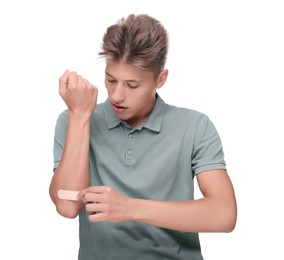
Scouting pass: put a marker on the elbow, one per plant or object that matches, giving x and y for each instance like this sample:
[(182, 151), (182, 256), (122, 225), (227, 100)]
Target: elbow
[(65, 208), (229, 226), (67, 214), (67, 211), (229, 221)]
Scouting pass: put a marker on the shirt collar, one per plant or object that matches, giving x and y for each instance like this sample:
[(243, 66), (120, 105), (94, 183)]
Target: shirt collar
[(153, 122)]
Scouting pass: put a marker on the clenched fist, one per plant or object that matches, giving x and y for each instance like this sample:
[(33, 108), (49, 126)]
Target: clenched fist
[(78, 94)]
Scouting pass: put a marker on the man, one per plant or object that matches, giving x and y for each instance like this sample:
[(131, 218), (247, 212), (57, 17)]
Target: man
[(133, 158)]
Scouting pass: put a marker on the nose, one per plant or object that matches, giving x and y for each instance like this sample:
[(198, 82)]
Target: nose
[(118, 94)]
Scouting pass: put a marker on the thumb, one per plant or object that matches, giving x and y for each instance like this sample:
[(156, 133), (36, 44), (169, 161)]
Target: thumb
[(64, 77), (63, 80)]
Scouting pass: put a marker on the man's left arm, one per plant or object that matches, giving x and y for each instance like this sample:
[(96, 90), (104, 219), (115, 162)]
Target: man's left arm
[(215, 212)]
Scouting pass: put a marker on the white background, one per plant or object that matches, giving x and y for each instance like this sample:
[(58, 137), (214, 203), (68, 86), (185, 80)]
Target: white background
[(226, 59)]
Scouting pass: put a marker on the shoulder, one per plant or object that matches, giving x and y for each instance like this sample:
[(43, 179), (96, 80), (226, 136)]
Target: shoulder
[(63, 117), (186, 120), (98, 113), (182, 115), (99, 108)]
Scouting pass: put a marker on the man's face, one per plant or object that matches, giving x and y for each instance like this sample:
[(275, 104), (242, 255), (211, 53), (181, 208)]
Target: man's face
[(131, 91)]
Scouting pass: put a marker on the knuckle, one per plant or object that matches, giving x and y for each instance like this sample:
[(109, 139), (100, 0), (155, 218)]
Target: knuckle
[(91, 218), (90, 196), (73, 73), (108, 189), (80, 79), (88, 207)]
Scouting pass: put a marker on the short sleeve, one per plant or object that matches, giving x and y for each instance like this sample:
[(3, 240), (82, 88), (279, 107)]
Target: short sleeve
[(207, 151), (59, 137)]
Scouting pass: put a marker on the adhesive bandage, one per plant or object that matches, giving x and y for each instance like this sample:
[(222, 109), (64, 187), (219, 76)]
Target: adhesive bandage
[(68, 195)]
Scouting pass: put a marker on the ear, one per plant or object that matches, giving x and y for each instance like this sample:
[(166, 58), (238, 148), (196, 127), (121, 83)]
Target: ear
[(162, 78)]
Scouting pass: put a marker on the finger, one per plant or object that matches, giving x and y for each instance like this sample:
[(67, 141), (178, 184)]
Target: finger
[(72, 80), (93, 190), (65, 76), (97, 217), (95, 207), (91, 197), (81, 81), (63, 81), (97, 189), (87, 82)]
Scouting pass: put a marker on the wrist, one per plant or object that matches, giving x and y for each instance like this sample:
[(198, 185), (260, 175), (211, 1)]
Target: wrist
[(135, 207), (79, 117)]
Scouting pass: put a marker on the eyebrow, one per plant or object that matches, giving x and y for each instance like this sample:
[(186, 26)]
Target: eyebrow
[(129, 80)]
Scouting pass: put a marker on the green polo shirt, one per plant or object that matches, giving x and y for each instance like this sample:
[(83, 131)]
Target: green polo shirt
[(157, 160)]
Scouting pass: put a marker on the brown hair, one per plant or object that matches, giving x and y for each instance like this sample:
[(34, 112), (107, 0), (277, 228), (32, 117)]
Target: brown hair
[(139, 40)]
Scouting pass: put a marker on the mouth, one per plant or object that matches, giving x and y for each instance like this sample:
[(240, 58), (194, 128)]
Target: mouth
[(118, 109)]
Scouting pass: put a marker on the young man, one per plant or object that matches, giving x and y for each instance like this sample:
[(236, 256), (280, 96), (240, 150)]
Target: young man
[(133, 158)]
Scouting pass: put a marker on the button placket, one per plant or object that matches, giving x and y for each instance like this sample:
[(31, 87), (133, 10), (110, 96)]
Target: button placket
[(129, 148)]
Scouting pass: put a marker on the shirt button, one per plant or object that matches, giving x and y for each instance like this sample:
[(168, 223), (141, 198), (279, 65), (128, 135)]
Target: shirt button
[(129, 151), (130, 135)]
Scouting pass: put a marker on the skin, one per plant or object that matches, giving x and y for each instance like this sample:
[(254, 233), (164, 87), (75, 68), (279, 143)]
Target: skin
[(73, 171), (132, 93)]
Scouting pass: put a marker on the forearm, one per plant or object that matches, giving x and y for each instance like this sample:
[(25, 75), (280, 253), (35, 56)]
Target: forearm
[(203, 215), (72, 172)]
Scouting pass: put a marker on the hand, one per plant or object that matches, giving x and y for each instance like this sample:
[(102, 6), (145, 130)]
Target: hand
[(78, 94), (103, 203)]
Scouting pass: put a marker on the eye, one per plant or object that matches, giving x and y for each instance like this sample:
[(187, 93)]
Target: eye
[(133, 86), (111, 80)]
